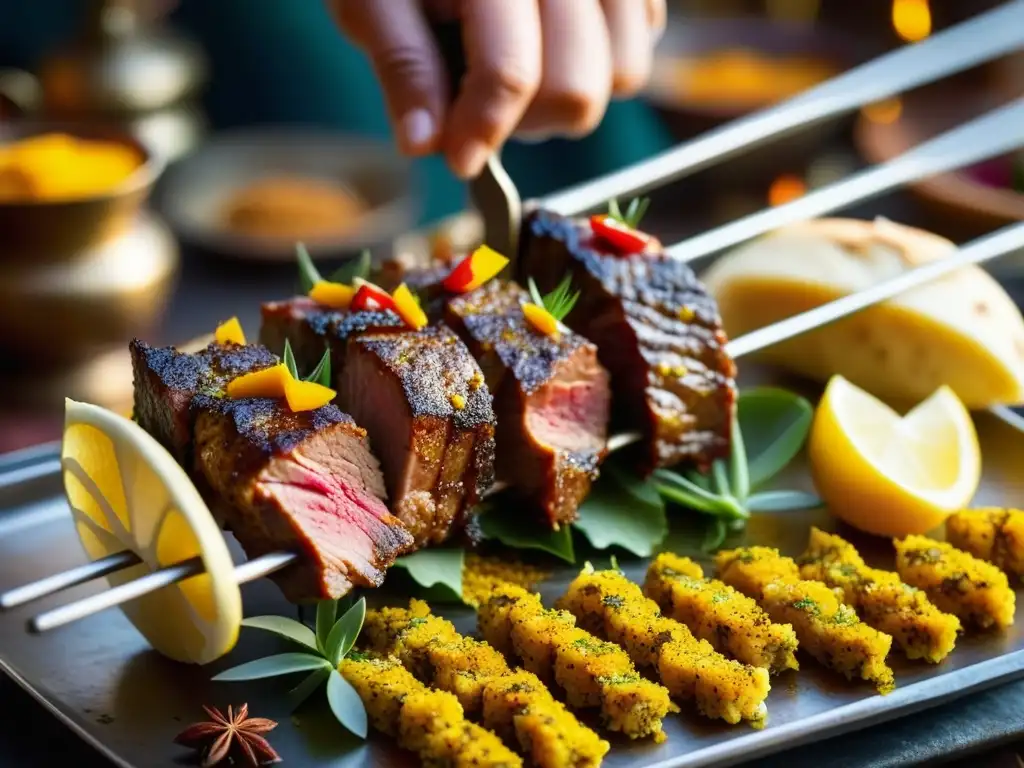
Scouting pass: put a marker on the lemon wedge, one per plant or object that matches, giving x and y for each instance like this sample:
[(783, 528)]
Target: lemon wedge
[(126, 492), (891, 475)]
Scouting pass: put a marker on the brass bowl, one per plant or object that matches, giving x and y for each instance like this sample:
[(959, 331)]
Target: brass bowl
[(34, 232), (59, 313)]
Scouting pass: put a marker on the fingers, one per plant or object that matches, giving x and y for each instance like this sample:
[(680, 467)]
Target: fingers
[(632, 44), (503, 66), (577, 78), (399, 42)]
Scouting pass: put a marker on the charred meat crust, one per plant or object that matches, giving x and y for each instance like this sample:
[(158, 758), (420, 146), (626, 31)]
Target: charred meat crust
[(310, 329), (657, 330), (529, 374), (165, 382), (430, 417), (282, 483)]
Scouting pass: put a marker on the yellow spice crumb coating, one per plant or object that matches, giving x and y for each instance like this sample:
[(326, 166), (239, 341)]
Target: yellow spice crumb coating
[(995, 535), (515, 705), (883, 601), (483, 576), (958, 583), (827, 629), (733, 623), (611, 606), (592, 673), (429, 723)]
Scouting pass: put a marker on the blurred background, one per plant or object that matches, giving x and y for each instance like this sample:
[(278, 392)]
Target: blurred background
[(160, 158)]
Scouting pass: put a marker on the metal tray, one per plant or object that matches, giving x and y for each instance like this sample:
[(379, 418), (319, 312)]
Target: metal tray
[(100, 678)]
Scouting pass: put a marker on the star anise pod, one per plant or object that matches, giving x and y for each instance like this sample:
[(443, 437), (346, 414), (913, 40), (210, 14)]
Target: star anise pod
[(237, 735)]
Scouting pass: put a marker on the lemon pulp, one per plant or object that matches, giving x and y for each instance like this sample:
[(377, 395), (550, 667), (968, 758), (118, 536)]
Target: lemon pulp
[(126, 492)]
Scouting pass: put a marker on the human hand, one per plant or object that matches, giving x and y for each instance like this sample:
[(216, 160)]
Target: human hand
[(534, 67)]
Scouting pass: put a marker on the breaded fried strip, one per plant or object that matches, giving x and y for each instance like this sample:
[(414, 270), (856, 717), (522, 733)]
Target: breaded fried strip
[(613, 607), (920, 629), (515, 705), (592, 673), (995, 535), (733, 623), (827, 629), (959, 583), (429, 723)]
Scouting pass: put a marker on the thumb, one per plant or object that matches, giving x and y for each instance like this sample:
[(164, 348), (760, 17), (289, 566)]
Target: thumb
[(399, 42)]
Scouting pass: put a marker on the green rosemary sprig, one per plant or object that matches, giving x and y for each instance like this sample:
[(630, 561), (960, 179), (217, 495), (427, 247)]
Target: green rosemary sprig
[(634, 211), (309, 275), (320, 375), (559, 302)]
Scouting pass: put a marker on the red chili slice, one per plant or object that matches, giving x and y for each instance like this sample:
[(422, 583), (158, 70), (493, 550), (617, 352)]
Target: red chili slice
[(371, 299), (461, 276), (621, 237)]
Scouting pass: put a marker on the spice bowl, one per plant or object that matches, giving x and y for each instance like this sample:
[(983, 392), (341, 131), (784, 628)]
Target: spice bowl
[(35, 231)]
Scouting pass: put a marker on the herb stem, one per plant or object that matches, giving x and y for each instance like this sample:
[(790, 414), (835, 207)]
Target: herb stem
[(721, 477), (738, 469)]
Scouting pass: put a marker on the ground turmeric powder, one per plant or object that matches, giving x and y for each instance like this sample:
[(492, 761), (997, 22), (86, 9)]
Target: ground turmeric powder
[(56, 166)]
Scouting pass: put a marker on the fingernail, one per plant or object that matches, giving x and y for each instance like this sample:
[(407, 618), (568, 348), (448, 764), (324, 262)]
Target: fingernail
[(470, 160), (418, 129)]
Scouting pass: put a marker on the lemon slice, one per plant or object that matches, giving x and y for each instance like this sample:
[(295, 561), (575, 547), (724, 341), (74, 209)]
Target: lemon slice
[(127, 493), (892, 475)]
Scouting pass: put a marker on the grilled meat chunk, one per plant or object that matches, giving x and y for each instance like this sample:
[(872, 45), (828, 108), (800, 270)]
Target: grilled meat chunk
[(166, 381), (302, 482), (429, 414), (551, 397), (657, 331), (310, 328)]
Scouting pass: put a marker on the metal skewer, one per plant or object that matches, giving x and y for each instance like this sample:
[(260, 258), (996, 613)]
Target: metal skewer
[(968, 44), (1001, 30)]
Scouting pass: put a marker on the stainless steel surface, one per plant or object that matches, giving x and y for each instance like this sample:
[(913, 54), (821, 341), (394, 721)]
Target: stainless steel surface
[(999, 243), (497, 200), (983, 38), (993, 134), (102, 680)]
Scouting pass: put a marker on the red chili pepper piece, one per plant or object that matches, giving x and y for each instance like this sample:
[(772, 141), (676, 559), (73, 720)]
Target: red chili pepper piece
[(461, 276), (371, 299), (624, 239)]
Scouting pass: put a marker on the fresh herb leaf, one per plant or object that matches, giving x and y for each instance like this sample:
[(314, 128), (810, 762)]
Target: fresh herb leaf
[(305, 689), (345, 631), (739, 472), (357, 268), (441, 567), (634, 211), (774, 424), (715, 536), (273, 666), (322, 373), (346, 705), (782, 501), (618, 513), (513, 530), (288, 358), (683, 491), (560, 302), (326, 614), (308, 273), (287, 628)]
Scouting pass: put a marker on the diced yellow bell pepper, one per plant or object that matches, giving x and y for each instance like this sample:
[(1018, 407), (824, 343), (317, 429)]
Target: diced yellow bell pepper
[(270, 382), (408, 308), (229, 332), (333, 295), (307, 395), (475, 270), (541, 319)]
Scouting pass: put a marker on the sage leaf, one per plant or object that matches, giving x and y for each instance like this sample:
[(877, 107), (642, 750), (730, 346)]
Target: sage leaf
[(739, 472), (679, 489), (308, 273), (614, 514), (326, 614), (346, 630), (346, 705), (288, 358), (436, 567), (720, 475), (359, 267), (287, 628), (322, 373), (774, 424), (514, 530), (305, 689), (782, 501), (643, 490), (273, 666), (715, 535)]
